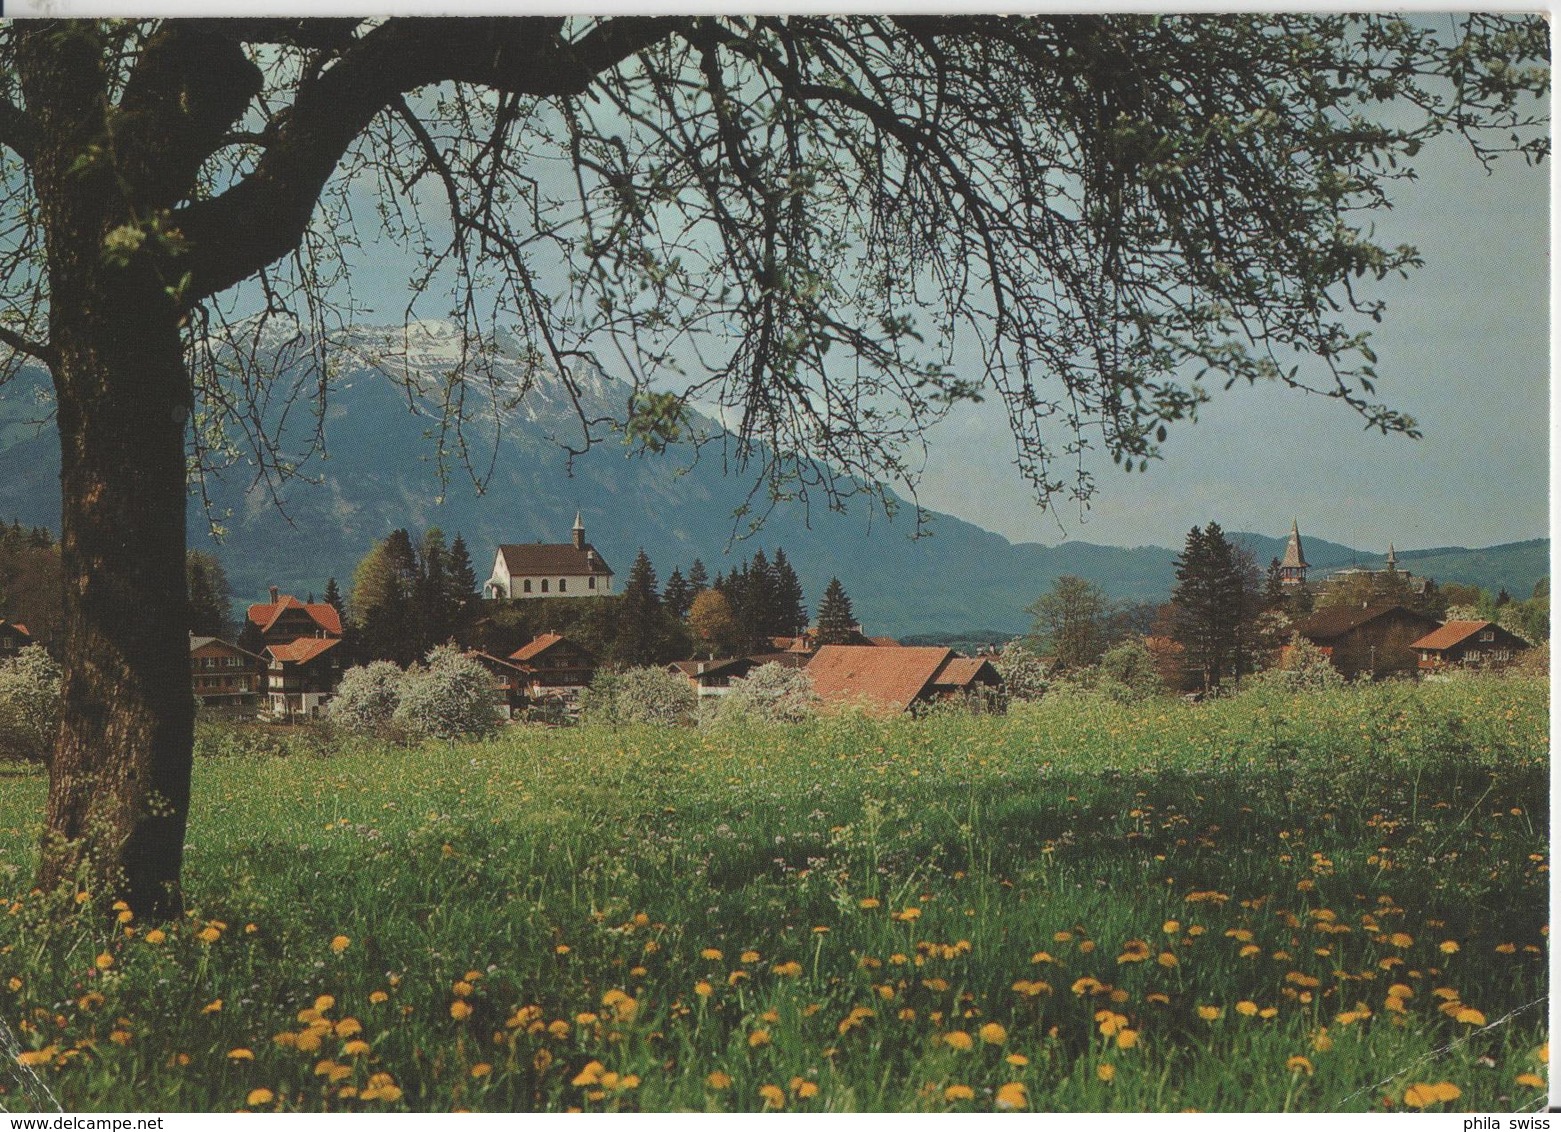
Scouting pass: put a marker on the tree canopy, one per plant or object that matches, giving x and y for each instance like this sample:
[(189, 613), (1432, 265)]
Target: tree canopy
[(801, 219)]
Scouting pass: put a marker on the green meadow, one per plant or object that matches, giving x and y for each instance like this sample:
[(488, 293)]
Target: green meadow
[(1322, 902)]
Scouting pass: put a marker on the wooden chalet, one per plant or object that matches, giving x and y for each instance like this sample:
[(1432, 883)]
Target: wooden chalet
[(553, 667), (224, 675), (509, 682), (14, 637), (893, 680), (302, 675), (1478, 644), (1373, 640), (284, 619)]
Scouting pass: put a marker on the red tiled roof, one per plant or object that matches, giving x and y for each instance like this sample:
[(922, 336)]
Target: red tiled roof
[(1451, 634), (303, 650), (323, 614), (536, 647), (17, 625), (892, 678), (885, 642), (553, 558), (962, 671), (1327, 624)]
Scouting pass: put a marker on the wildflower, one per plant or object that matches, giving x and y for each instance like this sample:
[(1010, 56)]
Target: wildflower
[(542, 1060), (1127, 1039), (36, 1057), (348, 1027), (993, 1034), (212, 1007), (104, 961), (340, 943), (711, 953), (868, 902), (156, 935), (749, 957), (325, 1002), (703, 989), (590, 1075), (1170, 927), (772, 1096), (481, 1069), (460, 1010), (803, 1090), (959, 1093), (1106, 1071), (789, 970), (119, 1037), (1209, 1013), (378, 996), (241, 1054), (1448, 947), (908, 914), (1532, 1080), (1167, 959), (558, 1028), (381, 1087), (1299, 1064), (718, 1081), (356, 1048), (259, 1097), (1012, 1096), (1042, 957), (1469, 1016), (1246, 1007), (1423, 1096), (758, 1038), (208, 934), (958, 1039)]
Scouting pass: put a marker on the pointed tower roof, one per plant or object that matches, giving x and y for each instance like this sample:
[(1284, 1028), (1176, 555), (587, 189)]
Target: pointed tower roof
[(1294, 557), (1392, 558), (579, 526)]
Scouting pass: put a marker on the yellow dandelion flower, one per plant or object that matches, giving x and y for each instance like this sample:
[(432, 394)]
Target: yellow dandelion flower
[(907, 914), (558, 1028), (749, 957), (307, 1041), (460, 1010), (959, 1093), (1012, 1096), (104, 961), (1469, 1016), (1448, 947), (340, 943), (789, 969), (1106, 1071), (120, 1037), (711, 953), (1127, 1039), (325, 1002), (348, 1027), (481, 1069), (804, 1089), (958, 1039), (868, 902), (356, 1048), (590, 1075), (156, 935), (208, 934), (378, 996), (1423, 1096), (212, 1007), (772, 1096), (1166, 959), (1247, 1008), (758, 1038), (1299, 1064), (703, 989), (1209, 1013), (1532, 1080), (1401, 939), (1171, 927), (241, 1054), (259, 1097), (35, 1057), (718, 1081), (542, 1060), (993, 1034)]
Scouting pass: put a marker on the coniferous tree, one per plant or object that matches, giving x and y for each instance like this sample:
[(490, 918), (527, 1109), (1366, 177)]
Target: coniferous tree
[(790, 604), (677, 595), (333, 598), (640, 631), (383, 588), (698, 577), (1215, 604), (434, 612), (463, 598), (836, 622), (211, 599)]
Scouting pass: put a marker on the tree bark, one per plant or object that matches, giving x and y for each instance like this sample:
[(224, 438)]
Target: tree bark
[(119, 781)]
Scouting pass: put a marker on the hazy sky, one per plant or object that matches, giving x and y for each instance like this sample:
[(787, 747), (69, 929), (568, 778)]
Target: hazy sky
[(1464, 348)]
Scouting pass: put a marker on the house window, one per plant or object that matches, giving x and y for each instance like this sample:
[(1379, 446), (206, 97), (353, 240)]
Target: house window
[(544, 585), (526, 586), (1488, 635), (563, 585), (590, 583)]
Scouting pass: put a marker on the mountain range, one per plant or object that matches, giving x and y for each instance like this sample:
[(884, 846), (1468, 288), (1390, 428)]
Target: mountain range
[(381, 473)]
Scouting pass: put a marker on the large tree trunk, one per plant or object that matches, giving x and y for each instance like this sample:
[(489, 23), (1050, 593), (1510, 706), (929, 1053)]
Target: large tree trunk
[(119, 782)]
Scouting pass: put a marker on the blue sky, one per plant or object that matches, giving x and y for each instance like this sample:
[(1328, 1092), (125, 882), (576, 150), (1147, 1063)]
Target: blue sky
[(1464, 348)]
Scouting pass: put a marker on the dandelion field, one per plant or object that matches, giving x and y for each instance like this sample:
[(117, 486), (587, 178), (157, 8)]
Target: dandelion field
[(1326, 902)]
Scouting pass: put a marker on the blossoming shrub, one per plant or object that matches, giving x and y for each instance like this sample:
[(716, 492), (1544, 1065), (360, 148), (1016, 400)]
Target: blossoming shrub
[(367, 697), (1305, 668), (769, 694), (1026, 676), (640, 695), (450, 697), (29, 705)]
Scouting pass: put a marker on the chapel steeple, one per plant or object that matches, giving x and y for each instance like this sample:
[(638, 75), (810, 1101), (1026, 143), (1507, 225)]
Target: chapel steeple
[(1292, 569)]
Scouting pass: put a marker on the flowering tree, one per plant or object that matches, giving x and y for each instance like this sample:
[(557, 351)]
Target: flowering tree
[(771, 693), (641, 695), (367, 696), (29, 705), (450, 697)]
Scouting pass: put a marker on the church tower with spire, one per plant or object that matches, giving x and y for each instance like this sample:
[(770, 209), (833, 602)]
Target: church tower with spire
[(1292, 568)]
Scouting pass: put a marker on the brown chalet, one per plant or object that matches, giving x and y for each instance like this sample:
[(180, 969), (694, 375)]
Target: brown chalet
[(892, 680), (13, 638), (224, 675), (302, 642), (553, 667), (1376, 640), (1475, 643)]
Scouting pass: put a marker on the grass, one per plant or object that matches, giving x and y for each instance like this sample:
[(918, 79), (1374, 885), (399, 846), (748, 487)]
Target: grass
[(1331, 902)]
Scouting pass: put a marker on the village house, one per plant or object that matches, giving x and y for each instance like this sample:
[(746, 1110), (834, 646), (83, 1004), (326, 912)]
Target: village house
[(714, 677), (553, 667), (893, 680), (509, 682), (302, 643), (550, 570), (224, 675), (1375, 640), (14, 637), (1472, 643)]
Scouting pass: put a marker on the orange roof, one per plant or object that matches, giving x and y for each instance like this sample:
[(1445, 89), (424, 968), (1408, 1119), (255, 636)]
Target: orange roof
[(1451, 634), (536, 647), (885, 642), (892, 678), (18, 626), (303, 650), (961, 671), (323, 614)]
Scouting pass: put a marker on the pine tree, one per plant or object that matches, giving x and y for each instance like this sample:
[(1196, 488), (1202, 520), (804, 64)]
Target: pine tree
[(698, 577), (333, 597), (383, 588), (677, 595), (211, 599), (639, 615), (1215, 603), (836, 622), (434, 610), (790, 604), (463, 598)]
